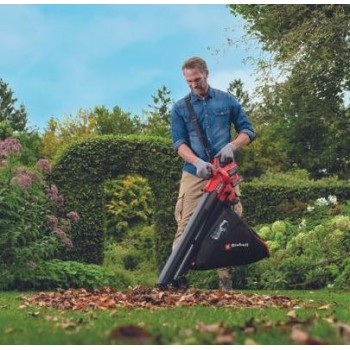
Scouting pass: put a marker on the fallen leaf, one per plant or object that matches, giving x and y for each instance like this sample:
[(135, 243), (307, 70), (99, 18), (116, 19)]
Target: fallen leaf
[(250, 341), (210, 328), (299, 336), (343, 331), (9, 330), (135, 334), (292, 314), (141, 297), (324, 307), (34, 314), (224, 339)]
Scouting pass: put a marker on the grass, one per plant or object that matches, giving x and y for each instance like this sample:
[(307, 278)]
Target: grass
[(318, 315)]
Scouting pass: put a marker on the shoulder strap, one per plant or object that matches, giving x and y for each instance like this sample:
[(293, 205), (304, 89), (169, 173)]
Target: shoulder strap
[(196, 125)]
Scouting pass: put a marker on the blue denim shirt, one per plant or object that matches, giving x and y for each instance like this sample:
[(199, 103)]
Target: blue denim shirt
[(215, 114)]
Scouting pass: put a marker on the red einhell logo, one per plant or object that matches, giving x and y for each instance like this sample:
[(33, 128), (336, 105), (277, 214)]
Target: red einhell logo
[(229, 246)]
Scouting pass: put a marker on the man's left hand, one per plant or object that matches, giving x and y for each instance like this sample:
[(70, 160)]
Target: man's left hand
[(227, 153)]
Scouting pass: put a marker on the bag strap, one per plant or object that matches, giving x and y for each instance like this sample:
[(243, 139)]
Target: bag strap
[(196, 125)]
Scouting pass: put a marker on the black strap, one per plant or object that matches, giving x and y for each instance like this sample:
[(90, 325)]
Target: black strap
[(196, 125)]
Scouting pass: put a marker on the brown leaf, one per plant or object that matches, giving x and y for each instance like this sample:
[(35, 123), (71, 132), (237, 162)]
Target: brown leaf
[(303, 338), (324, 307), (141, 297), (210, 328), (292, 314), (250, 341), (131, 333), (224, 339), (299, 336), (343, 332)]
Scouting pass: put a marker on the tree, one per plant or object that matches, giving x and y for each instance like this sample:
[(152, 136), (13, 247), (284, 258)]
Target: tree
[(158, 117), (60, 134), (236, 88), (10, 116), (100, 121), (115, 122), (310, 46)]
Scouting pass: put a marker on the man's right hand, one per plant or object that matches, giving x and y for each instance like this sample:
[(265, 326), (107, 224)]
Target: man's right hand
[(204, 169)]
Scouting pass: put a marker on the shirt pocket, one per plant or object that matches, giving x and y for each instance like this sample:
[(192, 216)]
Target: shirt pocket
[(222, 116)]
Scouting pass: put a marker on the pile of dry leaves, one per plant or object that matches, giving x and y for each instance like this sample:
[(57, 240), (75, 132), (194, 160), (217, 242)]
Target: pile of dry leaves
[(141, 297)]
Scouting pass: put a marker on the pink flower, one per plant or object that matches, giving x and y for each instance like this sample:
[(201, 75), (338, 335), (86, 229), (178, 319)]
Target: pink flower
[(44, 165), (68, 243), (22, 181), (53, 221), (3, 163), (73, 215), (10, 146), (60, 233), (55, 197)]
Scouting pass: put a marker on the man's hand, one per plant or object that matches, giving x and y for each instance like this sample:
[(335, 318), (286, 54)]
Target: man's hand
[(204, 169), (227, 153)]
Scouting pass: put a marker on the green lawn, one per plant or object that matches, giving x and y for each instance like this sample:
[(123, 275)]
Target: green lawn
[(321, 317)]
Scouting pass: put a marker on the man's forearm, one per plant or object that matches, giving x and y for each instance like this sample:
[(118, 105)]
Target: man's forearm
[(187, 154), (242, 139)]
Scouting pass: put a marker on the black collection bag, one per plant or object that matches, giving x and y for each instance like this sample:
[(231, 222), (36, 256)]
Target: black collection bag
[(229, 242)]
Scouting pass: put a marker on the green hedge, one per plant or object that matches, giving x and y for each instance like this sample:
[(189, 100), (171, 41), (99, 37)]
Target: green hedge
[(82, 169), (268, 203)]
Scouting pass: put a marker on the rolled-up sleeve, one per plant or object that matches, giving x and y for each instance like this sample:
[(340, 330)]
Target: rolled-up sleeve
[(241, 121), (179, 132)]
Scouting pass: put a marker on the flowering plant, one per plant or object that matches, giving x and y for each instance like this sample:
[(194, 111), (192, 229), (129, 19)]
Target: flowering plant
[(34, 225)]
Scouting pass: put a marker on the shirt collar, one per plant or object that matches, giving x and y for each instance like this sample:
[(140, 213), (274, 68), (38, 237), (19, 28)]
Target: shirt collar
[(195, 97)]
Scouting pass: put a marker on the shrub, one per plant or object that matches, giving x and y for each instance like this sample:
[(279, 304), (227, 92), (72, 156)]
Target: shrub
[(34, 224), (129, 202), (56, 274), (135, 255), (313, 254), (278, 196), (84, 166)]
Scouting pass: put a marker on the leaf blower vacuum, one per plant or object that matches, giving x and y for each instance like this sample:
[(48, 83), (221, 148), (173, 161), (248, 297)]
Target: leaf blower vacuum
[(215, 236)]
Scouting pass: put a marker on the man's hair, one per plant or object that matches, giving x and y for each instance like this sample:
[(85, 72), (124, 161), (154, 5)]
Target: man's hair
[(195, 62)]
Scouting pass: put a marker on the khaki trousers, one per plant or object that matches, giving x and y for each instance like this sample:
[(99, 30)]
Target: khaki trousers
[(190, 193)]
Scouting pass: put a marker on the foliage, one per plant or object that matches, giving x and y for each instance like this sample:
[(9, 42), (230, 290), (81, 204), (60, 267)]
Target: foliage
[(34, 223), (59, 134), (277, 196), (236, 88), (86, 165), (128, 203), (115, 122), (158, 117), (99, 121), (83, 168), (31, 147), (135, 255), (311, 254), (310, 46), (11, 118), (267, 152), (57, 274)]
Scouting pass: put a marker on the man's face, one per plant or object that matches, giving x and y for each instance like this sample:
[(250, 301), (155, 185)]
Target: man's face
[(197, 81)]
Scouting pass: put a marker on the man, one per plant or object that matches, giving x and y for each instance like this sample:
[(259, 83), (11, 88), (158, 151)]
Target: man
[(215, 111)]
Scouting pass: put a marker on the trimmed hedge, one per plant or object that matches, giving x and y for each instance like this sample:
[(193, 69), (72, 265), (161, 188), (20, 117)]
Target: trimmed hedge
[(82, 169), (268, 203)]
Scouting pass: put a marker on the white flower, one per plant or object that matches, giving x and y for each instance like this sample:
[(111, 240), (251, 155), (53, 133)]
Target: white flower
[(321, 202), (302, 223), (310, 209), (332, 199)]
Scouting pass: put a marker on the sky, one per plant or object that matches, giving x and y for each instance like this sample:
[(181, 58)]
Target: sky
[(59, 58)]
